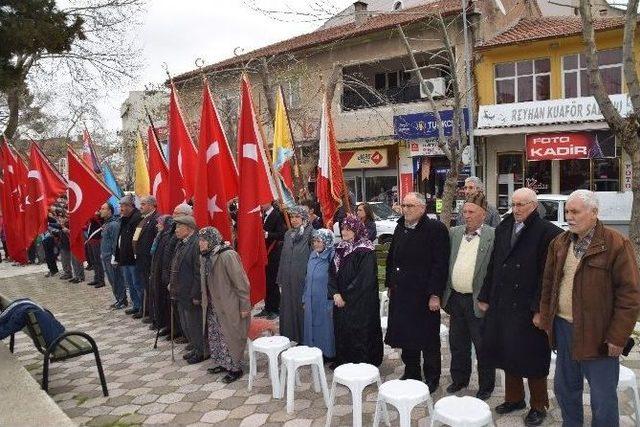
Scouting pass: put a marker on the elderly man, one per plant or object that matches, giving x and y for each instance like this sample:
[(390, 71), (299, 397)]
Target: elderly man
[(184, 286), (511, 296), (473, 185), (142, 240), (471, 247), (108, 244), (589, 305), (125, 257), (274, 226), (417, 267)]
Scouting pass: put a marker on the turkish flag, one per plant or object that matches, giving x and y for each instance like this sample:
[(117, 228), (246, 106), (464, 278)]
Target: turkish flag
[(183, 158), (12, 203), (86, 194), (158, 173), (217, 176), (330, 181), (256, 188)]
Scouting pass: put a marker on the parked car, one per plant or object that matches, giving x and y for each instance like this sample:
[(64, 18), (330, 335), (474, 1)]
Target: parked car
[(386, 221)]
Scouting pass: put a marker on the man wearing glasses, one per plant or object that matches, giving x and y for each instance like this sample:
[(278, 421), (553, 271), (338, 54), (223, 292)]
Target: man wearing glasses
[(416, 275), (511, 296)]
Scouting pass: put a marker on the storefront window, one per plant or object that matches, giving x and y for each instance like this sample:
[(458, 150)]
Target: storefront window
[(576, 79), (510, 177), (538, 176), (606, 174), (523, 81), (574, 175)]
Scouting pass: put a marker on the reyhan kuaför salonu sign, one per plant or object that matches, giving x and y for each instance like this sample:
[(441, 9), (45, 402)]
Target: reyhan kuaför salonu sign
[(568, 110)]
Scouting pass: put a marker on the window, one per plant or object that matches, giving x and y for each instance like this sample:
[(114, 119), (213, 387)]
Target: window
[(510, 177), (576, 80), (523, 81)]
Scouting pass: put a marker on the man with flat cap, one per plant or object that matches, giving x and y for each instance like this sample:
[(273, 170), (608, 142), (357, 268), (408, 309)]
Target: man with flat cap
[(471, 246), (184, 286)]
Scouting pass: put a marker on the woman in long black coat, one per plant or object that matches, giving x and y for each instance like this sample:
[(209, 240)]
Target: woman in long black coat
[(512, 289), (353, 285)]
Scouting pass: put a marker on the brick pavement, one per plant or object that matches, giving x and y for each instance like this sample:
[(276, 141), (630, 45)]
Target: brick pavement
[(147, 388)]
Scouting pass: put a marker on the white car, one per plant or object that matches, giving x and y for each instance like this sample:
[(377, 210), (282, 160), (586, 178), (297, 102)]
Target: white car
[(386, 220)]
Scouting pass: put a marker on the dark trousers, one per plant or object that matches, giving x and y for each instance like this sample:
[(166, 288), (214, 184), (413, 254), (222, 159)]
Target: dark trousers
[(465, 328), (601, 374), (431, 364), (272, 297), (93, 252), (49, 246), (514, 391), (191, 322)]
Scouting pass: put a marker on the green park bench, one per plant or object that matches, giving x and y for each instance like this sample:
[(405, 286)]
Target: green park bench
[(67, 346)]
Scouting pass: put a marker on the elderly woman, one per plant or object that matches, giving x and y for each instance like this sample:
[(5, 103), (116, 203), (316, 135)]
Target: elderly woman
[(292, 272), (318, 308), (225, 303), (159, 295), (354, 287)]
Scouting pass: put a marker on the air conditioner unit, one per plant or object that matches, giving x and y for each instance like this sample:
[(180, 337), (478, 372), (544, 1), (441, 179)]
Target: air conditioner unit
[(437, 87)]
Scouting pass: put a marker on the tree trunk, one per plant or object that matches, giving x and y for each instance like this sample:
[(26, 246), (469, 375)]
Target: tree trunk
[(634, 225), (449, 195), (13, 102)]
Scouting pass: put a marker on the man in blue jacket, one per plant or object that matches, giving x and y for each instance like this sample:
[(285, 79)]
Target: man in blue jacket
[(108, 244)]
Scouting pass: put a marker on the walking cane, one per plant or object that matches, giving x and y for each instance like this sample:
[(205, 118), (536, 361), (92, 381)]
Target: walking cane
[(173, 359)]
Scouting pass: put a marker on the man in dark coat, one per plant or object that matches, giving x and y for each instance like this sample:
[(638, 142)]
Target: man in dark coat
[(274, 228), (125, 257), (92, 246), (143, 239), (511, 296), (417, 271)]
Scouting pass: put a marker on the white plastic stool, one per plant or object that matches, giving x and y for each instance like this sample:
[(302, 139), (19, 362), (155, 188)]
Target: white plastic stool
[(272, 347), (356, 376), (627, 381), (404, 395), (463, 411), (299, 356)]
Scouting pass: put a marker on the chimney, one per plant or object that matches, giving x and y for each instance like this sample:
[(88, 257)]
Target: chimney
[(360, 12)]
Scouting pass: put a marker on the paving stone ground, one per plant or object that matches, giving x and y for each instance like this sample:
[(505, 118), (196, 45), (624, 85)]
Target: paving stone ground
[(146, 388)]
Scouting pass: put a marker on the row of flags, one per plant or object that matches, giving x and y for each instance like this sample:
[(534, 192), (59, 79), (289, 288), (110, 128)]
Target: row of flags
[(206, 174)]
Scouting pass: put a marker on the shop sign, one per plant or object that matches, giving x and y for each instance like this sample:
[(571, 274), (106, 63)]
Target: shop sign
[(564, 146), (628, 174), (424, 148), (557, 111), (424, 125), (365, 159)]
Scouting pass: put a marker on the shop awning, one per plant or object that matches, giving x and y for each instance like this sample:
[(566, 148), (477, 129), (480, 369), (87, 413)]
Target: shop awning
[(369, 143), (540, 129)]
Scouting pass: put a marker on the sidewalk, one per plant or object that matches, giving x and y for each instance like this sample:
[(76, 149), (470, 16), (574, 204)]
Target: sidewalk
[(147, 388)]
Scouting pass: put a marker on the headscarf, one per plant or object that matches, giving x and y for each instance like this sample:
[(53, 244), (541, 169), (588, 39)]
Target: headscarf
[(301, 211), (326, 236), (361, 242), (213, 238), (167, 222)]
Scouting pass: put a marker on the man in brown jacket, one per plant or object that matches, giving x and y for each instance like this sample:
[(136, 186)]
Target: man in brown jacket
[(589, 305)]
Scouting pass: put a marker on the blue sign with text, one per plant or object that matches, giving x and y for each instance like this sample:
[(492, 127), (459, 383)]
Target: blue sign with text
[(424, 125)]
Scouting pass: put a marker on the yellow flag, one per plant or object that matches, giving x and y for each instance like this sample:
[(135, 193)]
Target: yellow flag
[(141, 186)]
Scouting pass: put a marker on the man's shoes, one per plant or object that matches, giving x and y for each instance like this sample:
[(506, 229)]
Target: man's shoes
[(74, 280), (188, 347), (454, 388), (507, 407), (121, 305), (130, 311), (196, 358), (146, 320), (98, 285), (164, 332), (65, 276), (231, 376), (138, 315), (433, 387), (188, 355), (92, 283), (114, 305), (181, 340), (411, 374), (216, 370), (535, 417), (263, 313), (50, 274), (484, 394)]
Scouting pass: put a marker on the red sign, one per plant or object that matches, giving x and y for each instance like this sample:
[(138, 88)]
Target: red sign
[(406, 184), (563, 146)]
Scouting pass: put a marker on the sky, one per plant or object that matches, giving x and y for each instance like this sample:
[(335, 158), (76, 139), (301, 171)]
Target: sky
[(177, 33)]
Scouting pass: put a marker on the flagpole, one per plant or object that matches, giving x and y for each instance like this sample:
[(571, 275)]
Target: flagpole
[(296, 161)]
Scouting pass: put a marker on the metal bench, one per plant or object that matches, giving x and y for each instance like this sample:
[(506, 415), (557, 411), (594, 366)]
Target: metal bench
[(67, 346)]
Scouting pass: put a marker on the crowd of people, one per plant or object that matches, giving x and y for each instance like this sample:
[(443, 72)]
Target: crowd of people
[(515, 288)]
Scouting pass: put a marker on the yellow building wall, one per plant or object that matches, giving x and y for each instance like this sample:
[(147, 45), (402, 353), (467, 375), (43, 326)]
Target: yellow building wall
[(554, 49)]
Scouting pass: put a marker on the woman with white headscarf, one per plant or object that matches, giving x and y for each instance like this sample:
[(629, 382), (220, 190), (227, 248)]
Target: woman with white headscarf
[(318, 307), (225, 303), (292, 272)]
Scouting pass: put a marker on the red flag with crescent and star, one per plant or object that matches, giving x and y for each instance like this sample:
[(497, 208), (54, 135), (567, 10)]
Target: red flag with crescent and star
[(86, 194), (158, 173), (13, 203), (183, 158), (217, 176), (256, 187)]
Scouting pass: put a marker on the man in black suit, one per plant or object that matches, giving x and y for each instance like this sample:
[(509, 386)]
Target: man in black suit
[(142, 240), (274, 228)]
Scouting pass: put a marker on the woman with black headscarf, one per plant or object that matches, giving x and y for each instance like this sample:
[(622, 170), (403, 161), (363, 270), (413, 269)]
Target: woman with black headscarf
[(354, 288), (225, 303), (159, 295)]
